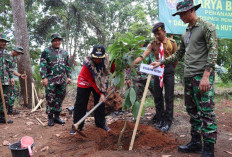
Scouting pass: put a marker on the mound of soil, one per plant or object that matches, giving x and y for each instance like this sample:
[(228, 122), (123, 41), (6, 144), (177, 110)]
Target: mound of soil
[(147, 138)]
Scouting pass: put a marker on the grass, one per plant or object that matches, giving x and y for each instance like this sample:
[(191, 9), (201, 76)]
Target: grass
[(222, 84)]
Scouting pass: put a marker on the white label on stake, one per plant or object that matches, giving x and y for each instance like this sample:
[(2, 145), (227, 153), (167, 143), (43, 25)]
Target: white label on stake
[(148, 69)]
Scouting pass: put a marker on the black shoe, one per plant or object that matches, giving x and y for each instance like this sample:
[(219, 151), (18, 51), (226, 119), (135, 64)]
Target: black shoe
[(2, 120), (106, 128), (195, 146), (57, 119), (72, 132), (165, 128), (208, 149), (159, 125), (50, 120)]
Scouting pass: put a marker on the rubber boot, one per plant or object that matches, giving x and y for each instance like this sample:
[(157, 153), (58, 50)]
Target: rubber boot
[(57, 118), (208, 150), (2, 119), (50, 119), (195, 146)]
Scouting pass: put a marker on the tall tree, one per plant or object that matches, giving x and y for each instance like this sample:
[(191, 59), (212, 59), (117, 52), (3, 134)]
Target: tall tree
[(22, 39)]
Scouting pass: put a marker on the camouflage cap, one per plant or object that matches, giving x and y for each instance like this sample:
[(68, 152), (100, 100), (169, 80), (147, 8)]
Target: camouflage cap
[(98, 51), (184, 6), (3, 37), (55, 36), (158, 26), (18, 49)]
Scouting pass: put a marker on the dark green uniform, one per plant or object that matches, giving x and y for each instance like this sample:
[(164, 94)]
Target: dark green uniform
[(54, 65), (6, 74)]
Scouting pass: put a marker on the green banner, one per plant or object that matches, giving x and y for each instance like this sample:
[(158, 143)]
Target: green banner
[(219, 12)]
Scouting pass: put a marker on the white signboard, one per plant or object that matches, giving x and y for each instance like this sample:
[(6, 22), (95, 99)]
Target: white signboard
[(148, 69)]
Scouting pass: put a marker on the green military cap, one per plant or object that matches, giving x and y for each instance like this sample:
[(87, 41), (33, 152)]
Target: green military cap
[(184, 6), (18, 49), (55, 36), (3, 37)]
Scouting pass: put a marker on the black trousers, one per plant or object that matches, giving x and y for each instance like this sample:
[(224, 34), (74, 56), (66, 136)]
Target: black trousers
[(168, 84), (80, 107)]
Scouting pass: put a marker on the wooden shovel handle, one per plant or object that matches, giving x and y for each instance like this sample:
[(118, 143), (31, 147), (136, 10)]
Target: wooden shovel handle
[(3, 101)]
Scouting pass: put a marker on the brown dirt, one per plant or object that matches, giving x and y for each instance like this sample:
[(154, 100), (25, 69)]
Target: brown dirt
[(57, 142)]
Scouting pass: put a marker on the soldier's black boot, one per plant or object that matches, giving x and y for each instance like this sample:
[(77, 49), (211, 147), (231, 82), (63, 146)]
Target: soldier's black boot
[(208, 150), (57, 118), (195, 146), (2, 119), (50, 119)]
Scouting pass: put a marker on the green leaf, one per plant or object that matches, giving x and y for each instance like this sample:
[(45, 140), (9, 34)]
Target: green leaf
[(141, 38), (132, 96), (117, 80), (135, 109)]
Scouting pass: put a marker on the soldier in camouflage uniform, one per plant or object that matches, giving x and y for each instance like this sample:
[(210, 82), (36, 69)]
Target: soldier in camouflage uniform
[(199, 45), (6, 74), (17, 50), (164, 115), (56, 74)]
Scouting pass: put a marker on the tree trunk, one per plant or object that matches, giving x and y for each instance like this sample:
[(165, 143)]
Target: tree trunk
[(22, 39)]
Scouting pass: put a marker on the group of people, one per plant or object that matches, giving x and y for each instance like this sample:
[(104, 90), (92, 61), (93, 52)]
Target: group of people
[(198, 45), (8, 69), (56, 74)]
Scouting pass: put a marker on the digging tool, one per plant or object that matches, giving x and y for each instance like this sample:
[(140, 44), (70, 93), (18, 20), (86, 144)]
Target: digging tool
[(3, 101), (75, 126), (148, 69)]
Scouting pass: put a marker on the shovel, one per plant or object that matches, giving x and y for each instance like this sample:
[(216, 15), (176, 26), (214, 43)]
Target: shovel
[(27, 142), (75, 126)]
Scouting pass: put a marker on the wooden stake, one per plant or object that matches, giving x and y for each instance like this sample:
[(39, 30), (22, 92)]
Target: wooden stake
[(3, 101), (36, 95), (140, 111), (33, 96), (40, 122), (26, 88), (39, 104)]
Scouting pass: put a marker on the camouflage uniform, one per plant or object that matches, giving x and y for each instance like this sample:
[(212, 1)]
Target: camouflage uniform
[(199, 38), (6, 74), (13, 95), (54, 65), (12, 89)]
